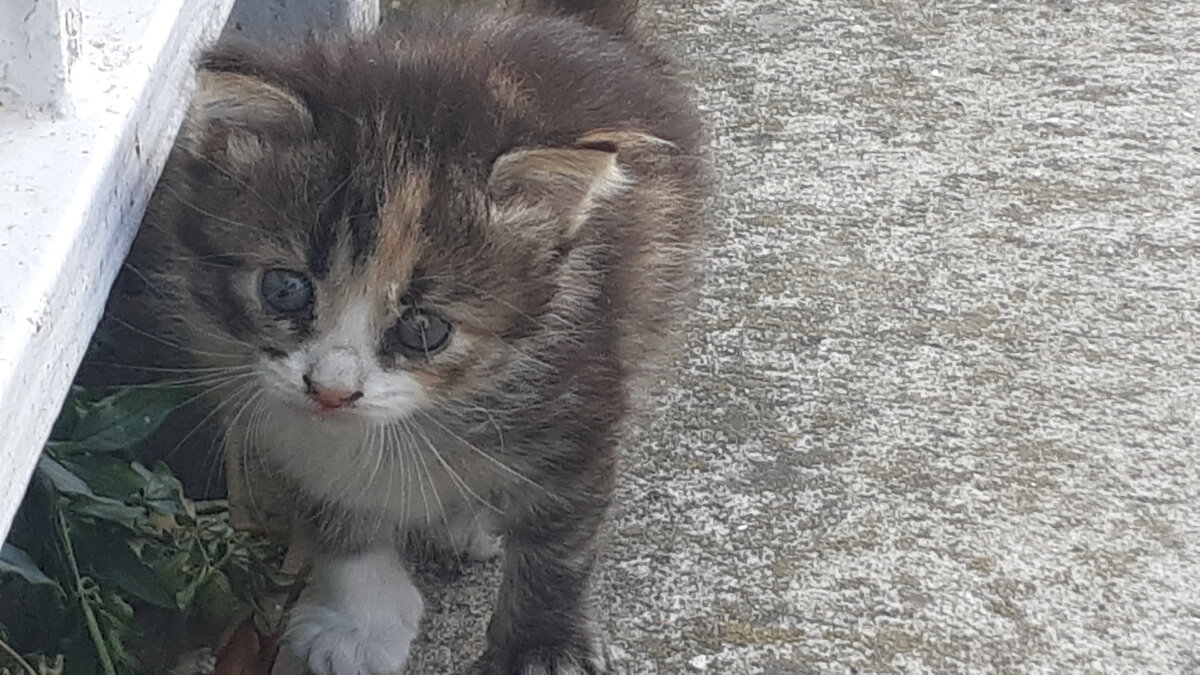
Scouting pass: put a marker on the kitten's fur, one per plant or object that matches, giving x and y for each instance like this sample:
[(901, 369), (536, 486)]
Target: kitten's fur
[(533, 177)]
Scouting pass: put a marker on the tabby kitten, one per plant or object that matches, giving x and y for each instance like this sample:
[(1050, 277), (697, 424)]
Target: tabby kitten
[(432, 260)]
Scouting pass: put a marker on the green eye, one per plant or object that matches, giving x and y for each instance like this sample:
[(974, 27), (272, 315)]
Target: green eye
[(419, 334), (286, 292)]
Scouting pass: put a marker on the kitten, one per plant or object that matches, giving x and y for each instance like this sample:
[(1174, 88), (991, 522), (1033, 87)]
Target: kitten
[(431, 261)]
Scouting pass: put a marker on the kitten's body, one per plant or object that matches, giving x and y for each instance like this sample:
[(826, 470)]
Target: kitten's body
[(529, 184)]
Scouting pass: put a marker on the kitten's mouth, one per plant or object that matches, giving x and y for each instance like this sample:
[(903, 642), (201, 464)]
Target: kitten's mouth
[(329, 401), (321, 411)]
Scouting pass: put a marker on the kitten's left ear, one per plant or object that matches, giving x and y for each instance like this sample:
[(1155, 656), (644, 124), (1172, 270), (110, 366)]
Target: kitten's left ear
[(558, 187), (233, 114)]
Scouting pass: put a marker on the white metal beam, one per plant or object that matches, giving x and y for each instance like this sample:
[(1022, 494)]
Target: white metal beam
[(73, 185), (39, 43)]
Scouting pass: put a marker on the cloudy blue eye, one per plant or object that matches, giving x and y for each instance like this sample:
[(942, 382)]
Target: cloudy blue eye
[(418, 333), (286, 292)]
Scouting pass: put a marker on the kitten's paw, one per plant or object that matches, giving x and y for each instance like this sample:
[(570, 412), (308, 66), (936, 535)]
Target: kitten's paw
[(331, 643), (596, 661), (358, 617)]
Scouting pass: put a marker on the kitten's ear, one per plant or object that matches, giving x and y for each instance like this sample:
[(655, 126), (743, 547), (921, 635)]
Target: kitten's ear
[(233, 113), (554, 187)]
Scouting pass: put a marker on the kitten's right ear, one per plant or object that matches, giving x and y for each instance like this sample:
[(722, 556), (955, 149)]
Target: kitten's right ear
[(554, 190), (233, 113)]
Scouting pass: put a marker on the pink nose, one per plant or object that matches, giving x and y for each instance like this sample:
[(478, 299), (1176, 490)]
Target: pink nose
[(330, 397)]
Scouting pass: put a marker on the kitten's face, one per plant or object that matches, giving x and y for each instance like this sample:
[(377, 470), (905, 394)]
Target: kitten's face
[(370, 281)]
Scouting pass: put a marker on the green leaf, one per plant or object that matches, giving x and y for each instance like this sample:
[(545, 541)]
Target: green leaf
[(85, 502), (118, 629), (104, 508), (17, 562), (124, 419), (216, 600), (61, 479), (113, 560), (68, 416), (163, 492), (125, 534), (41, 664), (177, 575), (106, 477)]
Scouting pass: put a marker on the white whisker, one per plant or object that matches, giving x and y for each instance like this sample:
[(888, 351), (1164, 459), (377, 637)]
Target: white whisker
[(415, 456), (232, 398), (174, 345), (496, 462), (460, 484)]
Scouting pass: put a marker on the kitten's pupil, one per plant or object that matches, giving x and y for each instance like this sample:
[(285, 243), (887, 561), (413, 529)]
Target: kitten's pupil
[(286, 292), (419, 333)]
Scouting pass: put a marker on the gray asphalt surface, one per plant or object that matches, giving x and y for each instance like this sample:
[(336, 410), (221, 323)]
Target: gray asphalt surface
[(940, 406)]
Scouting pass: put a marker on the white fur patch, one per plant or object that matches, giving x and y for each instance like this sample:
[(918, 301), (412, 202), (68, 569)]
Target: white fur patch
[(358, 617)]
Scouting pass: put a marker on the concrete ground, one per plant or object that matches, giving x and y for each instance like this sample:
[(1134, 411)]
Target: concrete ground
[(940, 406)]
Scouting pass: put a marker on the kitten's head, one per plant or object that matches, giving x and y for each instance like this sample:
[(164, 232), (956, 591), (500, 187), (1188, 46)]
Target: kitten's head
[(363, 264)]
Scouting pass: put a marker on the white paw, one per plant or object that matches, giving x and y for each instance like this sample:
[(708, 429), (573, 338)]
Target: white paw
[(331, 643), (359, 617)]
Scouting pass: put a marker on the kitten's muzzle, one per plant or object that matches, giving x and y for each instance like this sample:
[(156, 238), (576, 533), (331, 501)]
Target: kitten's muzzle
[(329, 397)]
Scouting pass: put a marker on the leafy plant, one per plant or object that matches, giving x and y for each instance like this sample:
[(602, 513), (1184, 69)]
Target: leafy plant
[(101, 540)]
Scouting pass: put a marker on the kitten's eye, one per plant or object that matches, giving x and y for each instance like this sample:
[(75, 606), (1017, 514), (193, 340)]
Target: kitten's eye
[(286, 292), (419, 333)]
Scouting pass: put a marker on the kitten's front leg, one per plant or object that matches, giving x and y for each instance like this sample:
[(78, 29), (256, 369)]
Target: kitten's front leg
[(542, 624), (358, 616)]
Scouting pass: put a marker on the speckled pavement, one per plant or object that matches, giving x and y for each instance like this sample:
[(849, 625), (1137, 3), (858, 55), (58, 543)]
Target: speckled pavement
[(940, 405)]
